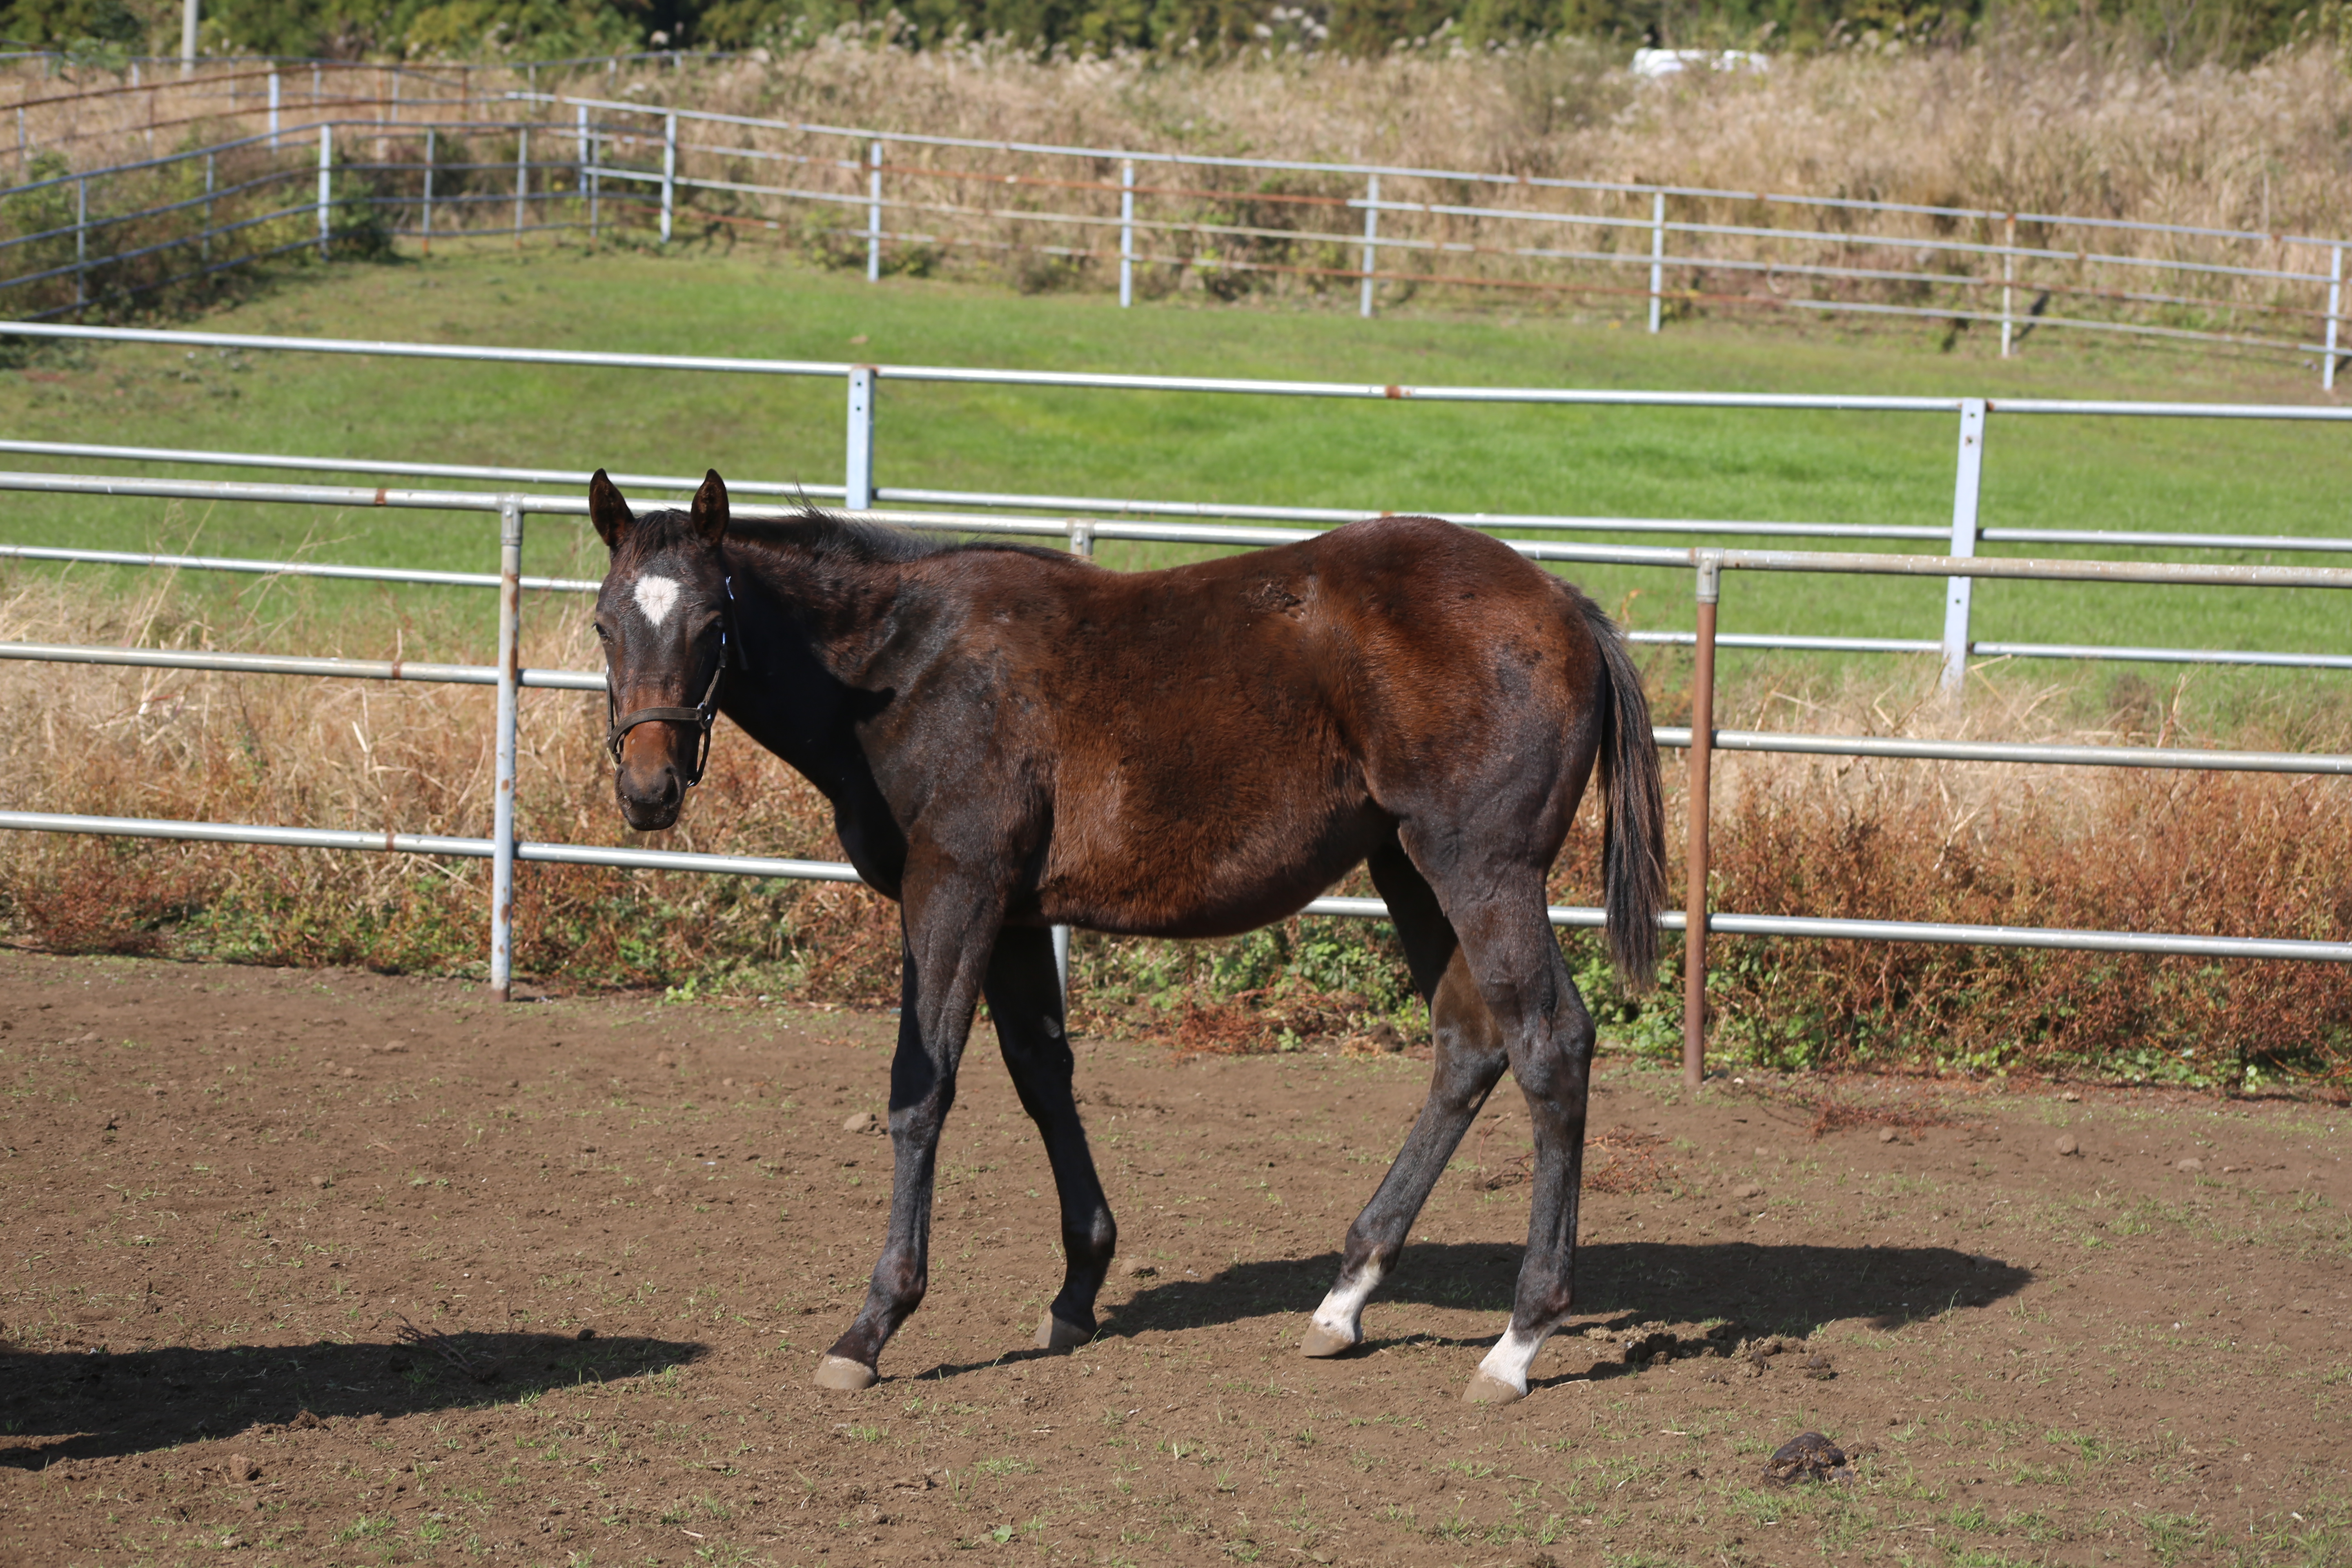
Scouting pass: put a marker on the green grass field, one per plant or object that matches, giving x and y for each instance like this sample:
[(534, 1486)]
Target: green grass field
[(2239, 477)]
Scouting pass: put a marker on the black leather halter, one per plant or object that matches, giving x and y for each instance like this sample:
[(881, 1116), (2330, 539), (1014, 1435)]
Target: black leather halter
[(702, 715)]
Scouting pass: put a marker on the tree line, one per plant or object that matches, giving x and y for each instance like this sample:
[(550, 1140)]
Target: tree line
[(2184, 32)]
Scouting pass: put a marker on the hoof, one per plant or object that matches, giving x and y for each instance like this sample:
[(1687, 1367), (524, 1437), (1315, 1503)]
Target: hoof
[(1486, 1390), (1052, 1334), (1321, 1343), (844, 1376)]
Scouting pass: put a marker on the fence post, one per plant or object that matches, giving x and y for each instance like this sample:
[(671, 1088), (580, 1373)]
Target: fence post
[(523, 179), (2335, 309), (1958, 590), (587, 176), (187, 40), (1126, 237), (205, 243), (1657, 256), (81, 240), (317, 86), (1082, 542), (273, 111), (1371, 232), (2008, 281), (859, 468), (669, 174), (431, 153), (502, 800), (1702, 752), (874, 212), (326, 182), (596, 184)]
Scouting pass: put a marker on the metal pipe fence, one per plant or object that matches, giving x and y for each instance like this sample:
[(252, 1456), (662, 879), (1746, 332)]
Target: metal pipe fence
[(1707, 562), (1219, 222), (1260, 230)]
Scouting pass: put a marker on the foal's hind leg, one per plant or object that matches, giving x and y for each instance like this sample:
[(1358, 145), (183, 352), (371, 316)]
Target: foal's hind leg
[(1470, 1055), (1508, 941), (1024, 998)]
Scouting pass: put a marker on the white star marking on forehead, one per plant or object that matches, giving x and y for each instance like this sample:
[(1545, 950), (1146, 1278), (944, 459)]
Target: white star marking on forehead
[(656, 597)]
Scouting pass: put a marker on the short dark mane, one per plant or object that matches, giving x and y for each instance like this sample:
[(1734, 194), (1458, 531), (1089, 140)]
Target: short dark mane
[(827, 536)]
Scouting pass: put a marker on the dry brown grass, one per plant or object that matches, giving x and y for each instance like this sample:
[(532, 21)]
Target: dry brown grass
[(2088, 130), (2113, 850), (2238, 855)]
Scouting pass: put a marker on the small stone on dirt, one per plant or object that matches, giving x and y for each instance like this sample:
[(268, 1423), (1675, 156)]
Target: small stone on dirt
[(863, 1121), (1748, 1190), (1887, 1135), (319, 1181), (585, 1334), (1819, 1367), (2067, 1144), (664, 1060), (1807, 1457), (2192, 1165), (1136, 1269), (304, 1421), (241, 1469)]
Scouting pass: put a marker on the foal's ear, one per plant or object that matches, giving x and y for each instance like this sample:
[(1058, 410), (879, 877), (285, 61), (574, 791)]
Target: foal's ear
[(710, 506), (608, 511)]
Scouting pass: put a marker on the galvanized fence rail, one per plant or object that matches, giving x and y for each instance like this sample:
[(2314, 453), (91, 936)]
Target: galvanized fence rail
[(2314, 283), (1959, 568), (1665, 245)]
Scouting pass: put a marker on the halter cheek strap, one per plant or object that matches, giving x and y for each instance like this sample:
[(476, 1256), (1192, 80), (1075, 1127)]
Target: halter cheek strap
[(702, 715)]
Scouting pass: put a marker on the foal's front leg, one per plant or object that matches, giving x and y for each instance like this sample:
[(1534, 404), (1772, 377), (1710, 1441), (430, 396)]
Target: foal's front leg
[(949, 932), (1024, 999)]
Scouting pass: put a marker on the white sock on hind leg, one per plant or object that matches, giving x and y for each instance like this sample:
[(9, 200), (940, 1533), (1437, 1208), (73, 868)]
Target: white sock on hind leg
[(1342, 1310), (1509, 1362)]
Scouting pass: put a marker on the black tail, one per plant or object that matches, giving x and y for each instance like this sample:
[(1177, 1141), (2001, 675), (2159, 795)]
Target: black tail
[(1633, 835)]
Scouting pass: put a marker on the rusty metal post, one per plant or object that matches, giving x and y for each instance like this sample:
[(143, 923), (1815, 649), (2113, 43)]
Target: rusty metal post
[(502, 799), (1702, 748)]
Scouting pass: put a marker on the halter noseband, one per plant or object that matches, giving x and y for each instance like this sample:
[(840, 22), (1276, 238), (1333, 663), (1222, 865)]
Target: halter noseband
[(702, 715)]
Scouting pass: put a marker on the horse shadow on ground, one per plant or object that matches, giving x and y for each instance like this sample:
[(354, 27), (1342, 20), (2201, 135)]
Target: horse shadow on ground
[(1762, 1289), (57, 1405), (1755, 1289)]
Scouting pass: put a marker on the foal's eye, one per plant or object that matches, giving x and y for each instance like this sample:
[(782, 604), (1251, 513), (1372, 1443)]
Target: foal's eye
[(603, 633)]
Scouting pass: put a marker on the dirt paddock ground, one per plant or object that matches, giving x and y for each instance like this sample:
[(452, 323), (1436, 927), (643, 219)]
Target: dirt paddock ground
[(336, 1268)]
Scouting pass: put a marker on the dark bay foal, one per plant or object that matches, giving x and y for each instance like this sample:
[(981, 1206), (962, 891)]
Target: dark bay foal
[(1013, 738)]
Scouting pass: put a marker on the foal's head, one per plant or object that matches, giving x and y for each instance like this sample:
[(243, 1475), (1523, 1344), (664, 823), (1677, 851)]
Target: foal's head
[(666, 620)]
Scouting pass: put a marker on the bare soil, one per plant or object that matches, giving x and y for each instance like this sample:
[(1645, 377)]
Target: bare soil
[(325, 1266)]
